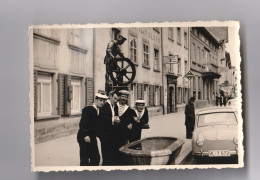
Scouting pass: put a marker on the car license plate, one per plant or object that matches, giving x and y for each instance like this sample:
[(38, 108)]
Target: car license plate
[(219, 153)]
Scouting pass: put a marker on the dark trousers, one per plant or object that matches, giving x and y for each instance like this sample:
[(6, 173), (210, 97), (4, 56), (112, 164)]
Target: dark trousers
[(88, 152), (107, 154), (189, 130)]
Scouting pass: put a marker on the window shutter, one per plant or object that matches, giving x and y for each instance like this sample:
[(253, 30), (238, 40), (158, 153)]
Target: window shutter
[(151, 95), (61, 94), (89, 91), (35, 77), (162, 95), (67, 101), (139, 90), (142, 90), (129, 97)]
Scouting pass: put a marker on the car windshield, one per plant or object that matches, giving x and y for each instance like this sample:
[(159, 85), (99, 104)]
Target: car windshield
[(222, 118)]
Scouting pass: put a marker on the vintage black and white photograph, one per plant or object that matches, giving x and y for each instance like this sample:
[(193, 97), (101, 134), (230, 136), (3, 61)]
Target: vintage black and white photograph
[(136, 96)]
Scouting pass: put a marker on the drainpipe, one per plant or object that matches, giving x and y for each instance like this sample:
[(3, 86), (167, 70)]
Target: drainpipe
[(162, 67)]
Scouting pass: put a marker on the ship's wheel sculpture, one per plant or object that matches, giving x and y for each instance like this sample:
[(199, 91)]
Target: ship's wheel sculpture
[(122, 72)]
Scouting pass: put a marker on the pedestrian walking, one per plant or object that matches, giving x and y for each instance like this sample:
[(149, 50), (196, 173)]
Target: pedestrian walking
[(190, 118), (141, 120), (217, 99), (121, 130), (225, 100), (86, 137), (104, 126), (221, 100)]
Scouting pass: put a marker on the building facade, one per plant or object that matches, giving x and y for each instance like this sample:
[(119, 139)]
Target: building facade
[(69, 69), (205, 54), (175, 66)]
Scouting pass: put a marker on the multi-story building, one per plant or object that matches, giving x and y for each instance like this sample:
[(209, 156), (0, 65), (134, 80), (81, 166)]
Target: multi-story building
[(175, 66), (143, 47), (205, 54), (69, 68), (63, 79)]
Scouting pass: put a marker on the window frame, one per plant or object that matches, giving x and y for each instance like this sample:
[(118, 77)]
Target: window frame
[(41, 82), (75, 82), (135, 49), (146, 53)]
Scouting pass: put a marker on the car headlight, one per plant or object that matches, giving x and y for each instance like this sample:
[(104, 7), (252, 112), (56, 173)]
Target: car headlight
[(235, 141), (199, 142)]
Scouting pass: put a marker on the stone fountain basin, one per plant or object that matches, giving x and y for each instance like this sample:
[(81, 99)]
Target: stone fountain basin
[(152, 151)]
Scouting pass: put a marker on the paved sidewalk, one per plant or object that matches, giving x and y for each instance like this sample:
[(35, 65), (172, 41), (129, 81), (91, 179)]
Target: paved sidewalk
[(65, 151)]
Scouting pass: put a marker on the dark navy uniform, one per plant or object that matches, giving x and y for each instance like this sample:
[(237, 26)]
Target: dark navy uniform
[(89, 155)]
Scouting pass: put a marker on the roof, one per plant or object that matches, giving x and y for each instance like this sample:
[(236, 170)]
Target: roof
[(216, 110)]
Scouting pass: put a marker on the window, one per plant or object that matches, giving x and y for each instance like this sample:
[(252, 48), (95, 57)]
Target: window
[(179, 65), (203, 56), (133, 94), (146, 94), (199, 87), (76, 96), (185, 40), (156, 59), (156, 96), (193, 52), (198, 54), (146, 54), (179, 35), (170, 33), (186, 67), (44, 99), (133, 48)]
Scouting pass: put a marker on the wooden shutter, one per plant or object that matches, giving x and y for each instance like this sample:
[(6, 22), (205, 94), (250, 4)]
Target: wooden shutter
[(35, 77), (142, 89), (67, 83), (162, 95), (61, 94), (129, 97), (89, 91), (151, 95), (139, 91)]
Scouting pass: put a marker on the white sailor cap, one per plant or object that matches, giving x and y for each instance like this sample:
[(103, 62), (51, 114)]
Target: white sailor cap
[(139, 101), (124, 92), (101, 96)]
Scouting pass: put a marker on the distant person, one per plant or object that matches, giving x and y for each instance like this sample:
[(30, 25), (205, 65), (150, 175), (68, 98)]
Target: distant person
[(86, 137), (225, 100), (105, 125), (221, 100), (141, 118), (217, 99), (190, 118)]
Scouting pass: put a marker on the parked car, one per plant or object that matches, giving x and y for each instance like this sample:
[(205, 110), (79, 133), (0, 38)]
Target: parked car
[(215, 133)]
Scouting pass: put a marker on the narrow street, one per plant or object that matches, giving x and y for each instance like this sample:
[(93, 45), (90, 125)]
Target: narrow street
[(65, 151)]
